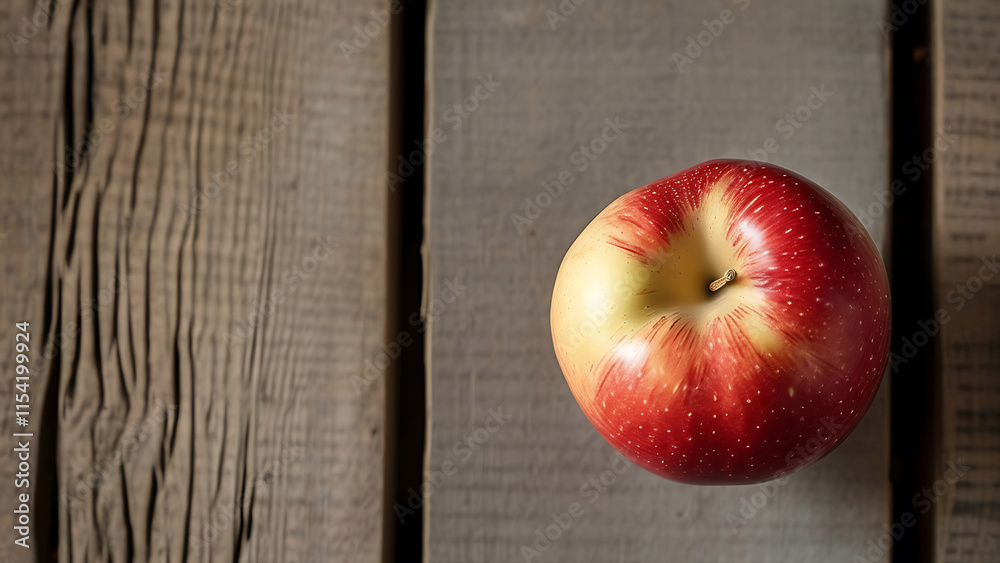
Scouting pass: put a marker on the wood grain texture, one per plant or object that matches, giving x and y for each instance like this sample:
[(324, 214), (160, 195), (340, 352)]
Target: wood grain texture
[(967, 238), (490, 347), (197, 233)]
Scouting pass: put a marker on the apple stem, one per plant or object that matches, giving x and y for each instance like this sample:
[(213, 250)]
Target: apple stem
[(729, 276)]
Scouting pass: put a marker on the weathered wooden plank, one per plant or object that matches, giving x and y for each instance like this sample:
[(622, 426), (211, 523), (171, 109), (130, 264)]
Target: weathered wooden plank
[(967, 237), (213, 275), (28, 91), (535, 86)]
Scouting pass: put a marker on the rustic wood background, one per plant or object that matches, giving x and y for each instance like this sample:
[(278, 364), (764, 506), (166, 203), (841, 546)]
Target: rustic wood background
[(197, 225), (491, 348), (198, 400), (967, 240)]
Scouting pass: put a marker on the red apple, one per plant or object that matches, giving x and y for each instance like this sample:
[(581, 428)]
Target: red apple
[(756, 377)]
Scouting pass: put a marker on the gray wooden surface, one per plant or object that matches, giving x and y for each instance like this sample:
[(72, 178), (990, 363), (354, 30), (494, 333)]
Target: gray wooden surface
[(198, 361), (490, 348), (967, 238)]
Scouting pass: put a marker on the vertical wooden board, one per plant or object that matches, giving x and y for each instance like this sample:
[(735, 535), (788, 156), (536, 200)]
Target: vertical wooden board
[(27, 109), (967, 237), (213, 275), (535, 87)]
